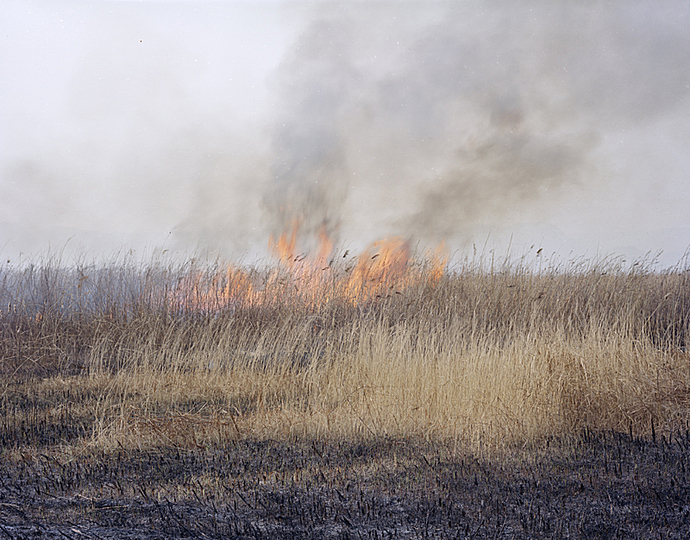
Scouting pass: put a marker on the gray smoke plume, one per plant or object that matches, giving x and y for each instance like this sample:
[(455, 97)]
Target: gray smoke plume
[(208, 126), (309, 162), (449, 115)]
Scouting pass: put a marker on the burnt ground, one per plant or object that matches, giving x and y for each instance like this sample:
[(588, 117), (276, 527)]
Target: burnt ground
[(596, 486)]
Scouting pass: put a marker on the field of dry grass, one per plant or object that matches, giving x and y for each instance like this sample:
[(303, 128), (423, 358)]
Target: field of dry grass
[(479, 359), (188, 356)]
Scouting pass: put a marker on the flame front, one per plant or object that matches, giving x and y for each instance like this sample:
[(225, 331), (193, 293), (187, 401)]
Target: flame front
[(284, 246), (385, 268)]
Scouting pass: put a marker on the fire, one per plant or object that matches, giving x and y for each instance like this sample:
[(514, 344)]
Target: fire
[(325, 248), (385, 268), (382, 266), (284, 247), (204, 292)]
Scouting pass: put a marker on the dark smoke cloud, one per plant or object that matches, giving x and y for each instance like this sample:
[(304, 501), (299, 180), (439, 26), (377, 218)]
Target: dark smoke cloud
[(463, 115)]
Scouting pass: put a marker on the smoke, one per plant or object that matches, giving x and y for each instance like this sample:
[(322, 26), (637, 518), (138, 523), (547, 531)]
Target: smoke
[(132, 124), (211, 126), (461, 115), (317, 86)]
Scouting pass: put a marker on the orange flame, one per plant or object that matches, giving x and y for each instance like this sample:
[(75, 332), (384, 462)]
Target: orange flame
[(383, 269), (284, 247), (325, 248), (383, 265)]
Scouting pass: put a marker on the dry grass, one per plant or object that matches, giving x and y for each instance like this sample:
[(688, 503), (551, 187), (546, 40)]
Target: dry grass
[(137, 356)]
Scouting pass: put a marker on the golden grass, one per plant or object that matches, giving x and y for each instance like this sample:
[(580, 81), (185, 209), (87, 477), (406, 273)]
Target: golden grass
[(488, 357)]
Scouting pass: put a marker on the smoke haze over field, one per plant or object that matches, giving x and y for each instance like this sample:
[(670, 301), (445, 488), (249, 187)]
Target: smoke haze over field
[(213, 125)]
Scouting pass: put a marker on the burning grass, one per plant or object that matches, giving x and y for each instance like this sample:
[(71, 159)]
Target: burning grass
[(380, 346)]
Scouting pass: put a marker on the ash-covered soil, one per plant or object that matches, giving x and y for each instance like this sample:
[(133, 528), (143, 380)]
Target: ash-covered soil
[(603, 486)]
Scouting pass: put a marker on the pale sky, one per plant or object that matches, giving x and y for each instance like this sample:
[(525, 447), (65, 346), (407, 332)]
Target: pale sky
[(210, 125)]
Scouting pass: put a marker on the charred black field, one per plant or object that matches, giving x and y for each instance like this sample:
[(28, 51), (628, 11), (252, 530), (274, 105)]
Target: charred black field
[(383, 396), (592, 486)]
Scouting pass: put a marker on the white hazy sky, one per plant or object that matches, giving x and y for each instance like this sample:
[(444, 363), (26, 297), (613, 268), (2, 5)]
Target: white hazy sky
[(210, 125)]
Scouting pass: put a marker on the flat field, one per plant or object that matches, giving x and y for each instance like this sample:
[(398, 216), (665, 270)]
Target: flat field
[(373, 397)]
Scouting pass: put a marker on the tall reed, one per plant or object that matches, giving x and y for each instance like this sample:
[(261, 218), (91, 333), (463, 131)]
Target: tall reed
[(195, 354)]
